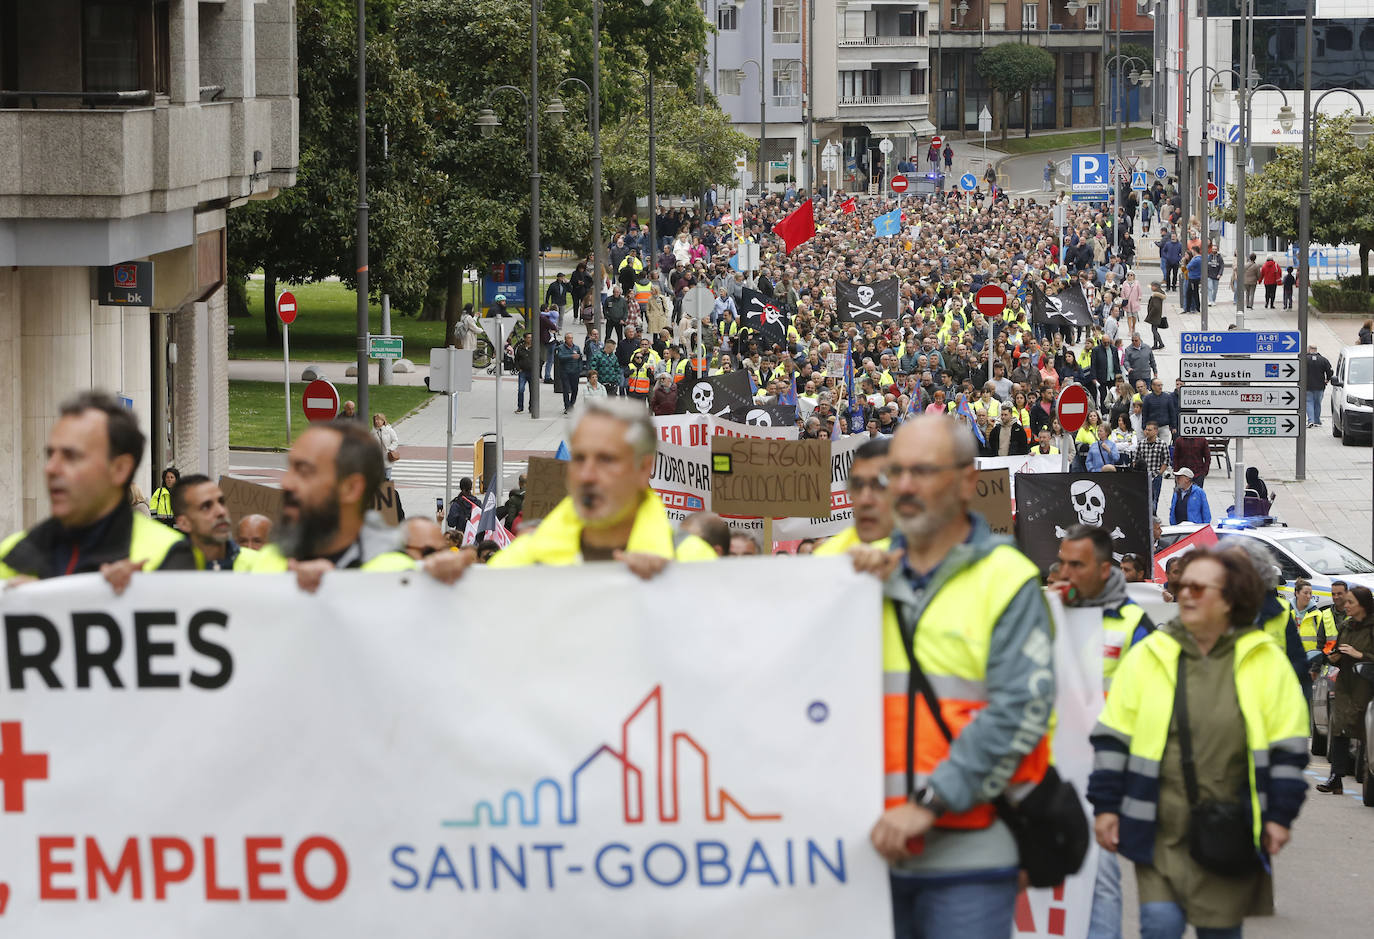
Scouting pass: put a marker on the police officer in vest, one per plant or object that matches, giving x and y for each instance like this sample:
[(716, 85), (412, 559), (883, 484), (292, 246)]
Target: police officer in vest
[(1320, 627), (332, 476), (610, 513), (93, 452), (869, 500), (199, 509), (966, 606), (1085, 559)]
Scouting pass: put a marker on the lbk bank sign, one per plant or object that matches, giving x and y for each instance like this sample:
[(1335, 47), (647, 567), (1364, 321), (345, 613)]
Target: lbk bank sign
[(128, 284)]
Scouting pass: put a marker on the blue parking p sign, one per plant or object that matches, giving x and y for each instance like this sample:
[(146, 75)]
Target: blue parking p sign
[(1088, 172)]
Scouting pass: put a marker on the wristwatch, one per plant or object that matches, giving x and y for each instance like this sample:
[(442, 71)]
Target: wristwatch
[(926, 798)]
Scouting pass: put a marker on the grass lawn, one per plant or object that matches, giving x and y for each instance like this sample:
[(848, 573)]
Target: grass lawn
[(1040, 144), (325, 328), (257, 417)]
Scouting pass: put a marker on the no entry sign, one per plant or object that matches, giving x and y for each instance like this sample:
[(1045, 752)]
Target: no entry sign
[(286, 307), (936, 141), (320, 401), (990, 300), (1072, 407), (899, 183)]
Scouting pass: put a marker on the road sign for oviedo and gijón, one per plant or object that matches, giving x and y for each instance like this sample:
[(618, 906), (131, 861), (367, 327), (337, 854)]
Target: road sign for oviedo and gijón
[(1239, 342), (1219, 369), (1238, 425), (1238, 397)]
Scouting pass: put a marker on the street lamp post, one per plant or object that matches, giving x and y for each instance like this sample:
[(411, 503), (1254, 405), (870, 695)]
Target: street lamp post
[(1360, 130), (487, 122), (1135, 77), (555, 110), (1186, 188), (653, 180), (362, 324), (763, 120), (1245, 99)]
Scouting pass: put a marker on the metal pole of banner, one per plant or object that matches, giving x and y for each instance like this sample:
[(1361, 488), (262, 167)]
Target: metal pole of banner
[(1238, 469), (286, 364), (501, 437), (448, 449)]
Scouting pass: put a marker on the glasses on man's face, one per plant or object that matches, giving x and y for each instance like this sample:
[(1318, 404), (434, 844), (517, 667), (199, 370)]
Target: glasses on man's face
[(919, 472), (425, 550), (1193, 588), (858, 484)]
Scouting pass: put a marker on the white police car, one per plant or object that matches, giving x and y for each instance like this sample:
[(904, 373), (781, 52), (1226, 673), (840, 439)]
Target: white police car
[(1298, 553)]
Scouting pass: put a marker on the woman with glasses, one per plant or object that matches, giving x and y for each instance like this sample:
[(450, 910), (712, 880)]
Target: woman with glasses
[(1198, 774), (1354, 644)]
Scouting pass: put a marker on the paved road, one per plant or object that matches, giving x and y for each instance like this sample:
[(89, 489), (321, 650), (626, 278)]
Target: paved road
[(1321, 878)]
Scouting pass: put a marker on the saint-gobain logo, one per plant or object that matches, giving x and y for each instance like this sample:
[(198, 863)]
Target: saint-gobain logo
[(516, 807)]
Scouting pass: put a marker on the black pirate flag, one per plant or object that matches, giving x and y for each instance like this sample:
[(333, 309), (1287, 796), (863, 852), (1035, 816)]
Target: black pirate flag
[(859, 303), (1067, 308), (721, 395), (766, 415), (1048, 504), (763, 315)]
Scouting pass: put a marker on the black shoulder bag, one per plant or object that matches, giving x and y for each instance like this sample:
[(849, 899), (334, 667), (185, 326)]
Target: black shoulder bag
[(1219, 833), (1049, 825)]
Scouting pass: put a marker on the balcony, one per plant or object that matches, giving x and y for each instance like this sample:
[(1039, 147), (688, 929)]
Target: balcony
[(847, 42), (885, 100)]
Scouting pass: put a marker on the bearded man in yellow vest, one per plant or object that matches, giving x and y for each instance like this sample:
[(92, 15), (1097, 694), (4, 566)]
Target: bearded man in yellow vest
[(333, 473), (966, 607), (610, 512), (93, 452)]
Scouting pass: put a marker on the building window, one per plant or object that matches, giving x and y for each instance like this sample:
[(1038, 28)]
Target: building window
[(1093, 16), (786, 83), (727, 81), (1078, 80), (727, 17), (912, 81), (912, 24), (110, 42), (786, 21), (1030, 16), (858, 84)]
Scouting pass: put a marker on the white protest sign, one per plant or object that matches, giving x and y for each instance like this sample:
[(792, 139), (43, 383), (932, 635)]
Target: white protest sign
[(390, 756), (1033, 463), (1078, 642)]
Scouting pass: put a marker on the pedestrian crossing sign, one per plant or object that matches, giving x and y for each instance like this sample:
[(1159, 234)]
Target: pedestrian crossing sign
[(1138, 181)]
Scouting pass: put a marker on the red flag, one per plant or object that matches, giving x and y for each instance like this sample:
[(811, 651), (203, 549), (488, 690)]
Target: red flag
[(1202, 538), (849, 205), (799, 227)]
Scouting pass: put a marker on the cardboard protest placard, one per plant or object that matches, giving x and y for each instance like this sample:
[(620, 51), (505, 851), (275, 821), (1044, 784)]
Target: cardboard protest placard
[(770, 478), (388, 503), (546, 486), (992, 500), (245, 498)]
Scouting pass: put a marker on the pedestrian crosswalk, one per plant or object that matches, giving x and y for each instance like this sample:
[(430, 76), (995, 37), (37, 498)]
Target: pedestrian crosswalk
[(408, 473)]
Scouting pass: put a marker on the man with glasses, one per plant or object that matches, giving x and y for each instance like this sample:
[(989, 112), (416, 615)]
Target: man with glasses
[(963, 608), (423, 537), (868, 496)]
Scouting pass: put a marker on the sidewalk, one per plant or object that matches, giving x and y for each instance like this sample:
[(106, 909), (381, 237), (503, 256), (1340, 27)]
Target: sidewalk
[(1335, 498)]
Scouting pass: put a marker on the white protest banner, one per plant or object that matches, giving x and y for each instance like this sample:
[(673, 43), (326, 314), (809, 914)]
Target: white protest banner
[(1078, 641), (841, 511), (1033, 463), (392, 757), (682, 466)]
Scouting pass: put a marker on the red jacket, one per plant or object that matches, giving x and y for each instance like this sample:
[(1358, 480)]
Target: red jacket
[(1270, 272)]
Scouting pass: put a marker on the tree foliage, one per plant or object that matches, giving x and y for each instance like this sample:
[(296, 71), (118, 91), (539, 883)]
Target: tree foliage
[(1342, 186), (445, 197), (1015, 67)]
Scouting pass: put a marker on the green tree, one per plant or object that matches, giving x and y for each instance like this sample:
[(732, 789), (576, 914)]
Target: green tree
[(1014, 67), (1342, 201)]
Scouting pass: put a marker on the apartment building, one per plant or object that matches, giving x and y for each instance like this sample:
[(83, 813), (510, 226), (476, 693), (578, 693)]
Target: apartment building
[(128, 129)]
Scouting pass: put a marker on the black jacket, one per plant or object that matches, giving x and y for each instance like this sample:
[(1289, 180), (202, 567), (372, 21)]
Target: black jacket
[(1019, 446), (1318, 371), (50, 550)]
